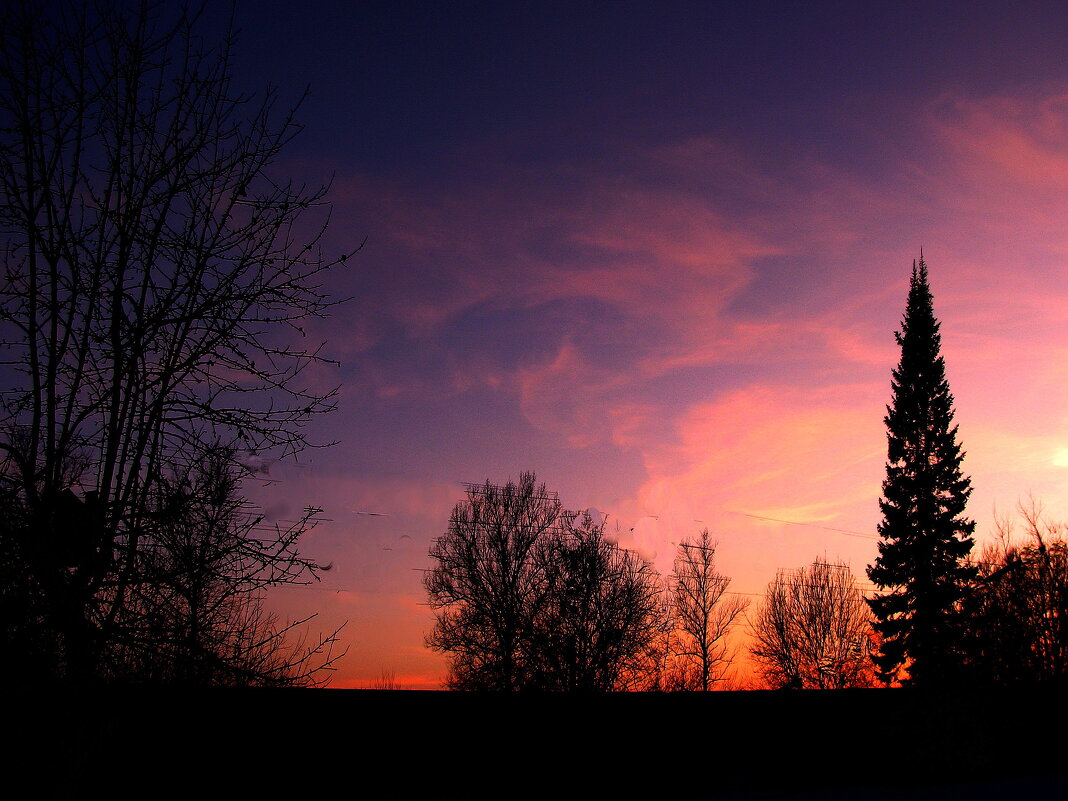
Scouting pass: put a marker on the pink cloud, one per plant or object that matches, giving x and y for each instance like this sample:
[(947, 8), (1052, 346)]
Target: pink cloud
[(564, 396), (1014, 141), (797, 454)]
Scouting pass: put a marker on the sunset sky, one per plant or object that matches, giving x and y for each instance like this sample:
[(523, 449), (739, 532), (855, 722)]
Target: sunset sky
[(657, 255)]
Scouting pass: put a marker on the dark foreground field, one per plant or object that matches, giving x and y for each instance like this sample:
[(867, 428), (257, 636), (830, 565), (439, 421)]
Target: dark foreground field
[(874, 744)]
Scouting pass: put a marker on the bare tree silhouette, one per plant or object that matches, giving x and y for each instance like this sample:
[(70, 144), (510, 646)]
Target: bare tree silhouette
[(195, 614), (605, 611), (159, 283), (814, 630), (702, 615), (526, 598), (1016, 615), (491, 583)]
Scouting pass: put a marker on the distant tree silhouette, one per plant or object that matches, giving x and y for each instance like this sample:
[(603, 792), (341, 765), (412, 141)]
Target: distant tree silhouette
[(491, 583), (1016, 614), (813, 630), (157, 279), (604, 611), (925, 540), (702, 615), (385, 680), (530, 596)]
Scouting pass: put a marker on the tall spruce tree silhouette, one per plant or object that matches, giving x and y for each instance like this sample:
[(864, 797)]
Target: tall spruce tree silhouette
[(925, 539)]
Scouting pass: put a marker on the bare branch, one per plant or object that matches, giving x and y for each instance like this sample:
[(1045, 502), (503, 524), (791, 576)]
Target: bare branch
[(814, 630), (158, 284)]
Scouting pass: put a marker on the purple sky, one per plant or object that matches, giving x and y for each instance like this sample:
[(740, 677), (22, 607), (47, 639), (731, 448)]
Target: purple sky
[(657, 253)]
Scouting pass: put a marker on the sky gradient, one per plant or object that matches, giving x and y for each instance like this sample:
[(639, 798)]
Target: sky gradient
[(658, 257)]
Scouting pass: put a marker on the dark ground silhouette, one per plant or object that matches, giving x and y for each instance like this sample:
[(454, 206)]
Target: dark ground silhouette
[(870, 744)]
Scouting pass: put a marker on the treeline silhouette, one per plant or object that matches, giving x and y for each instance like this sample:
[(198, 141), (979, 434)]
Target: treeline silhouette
[(530, 596), (526, 599)]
